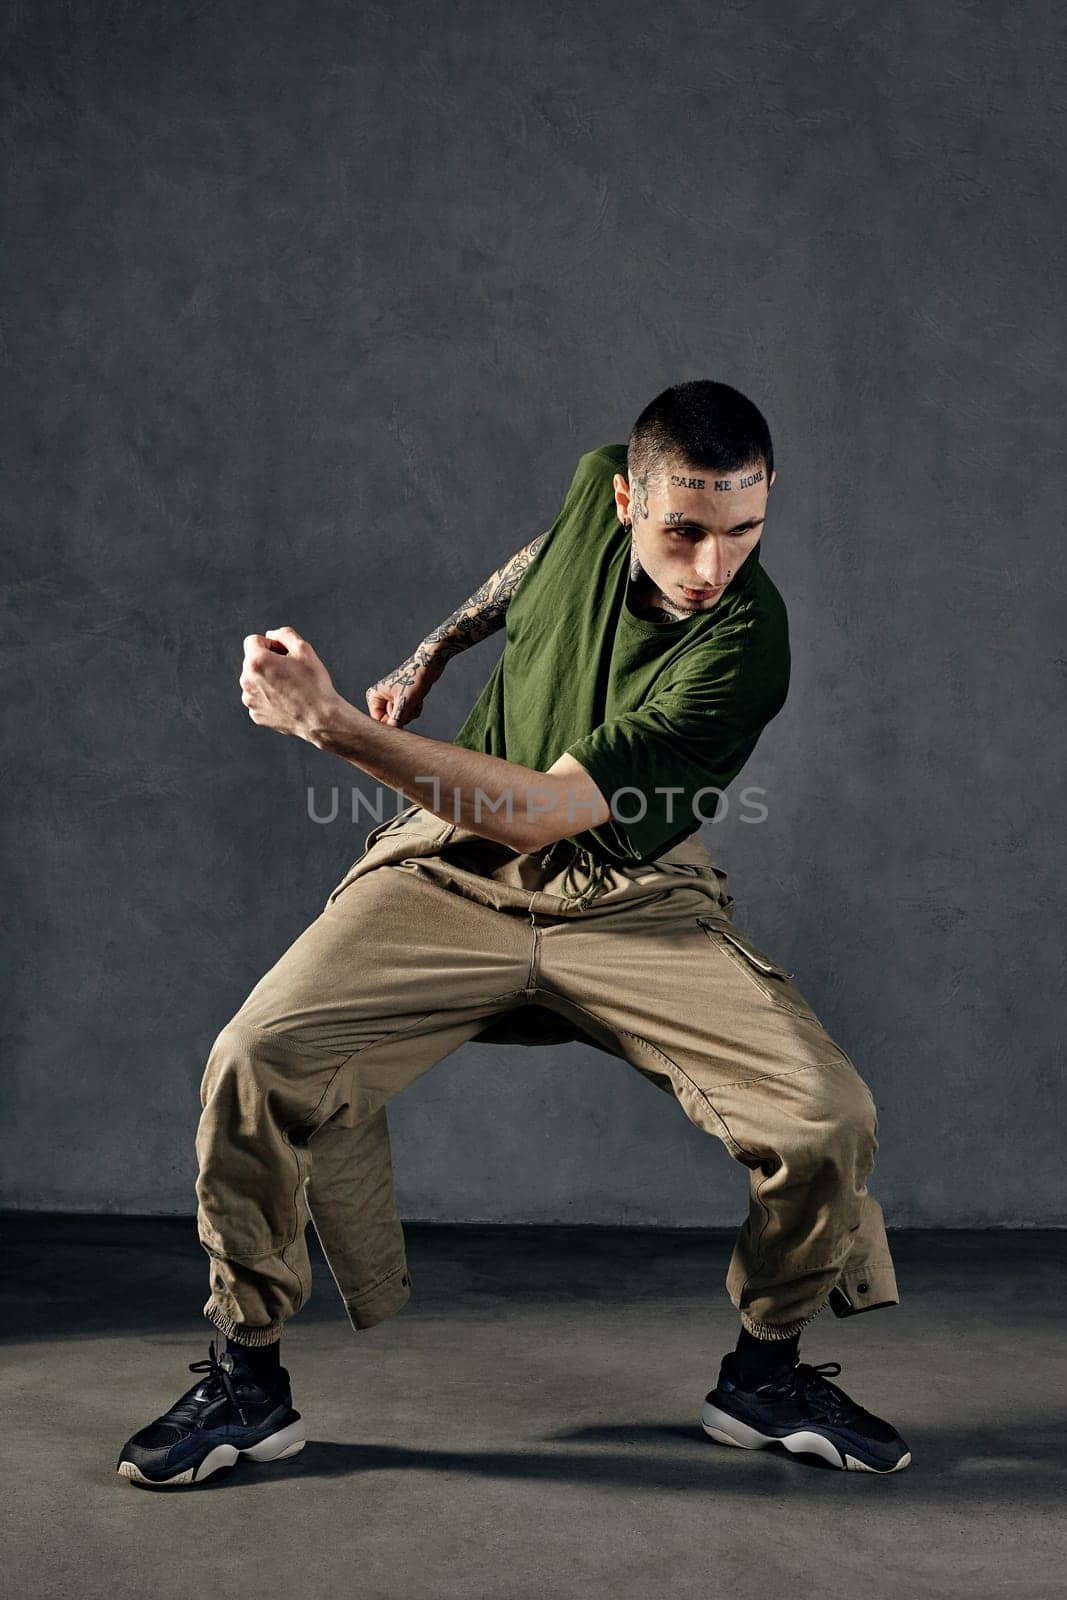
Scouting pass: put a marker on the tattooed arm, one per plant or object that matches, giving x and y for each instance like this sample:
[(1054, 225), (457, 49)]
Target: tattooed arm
[(397, 698), (486, 609)]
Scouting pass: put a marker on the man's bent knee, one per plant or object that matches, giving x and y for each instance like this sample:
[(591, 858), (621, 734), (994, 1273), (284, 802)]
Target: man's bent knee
[(834, 1121), (265, 1062)]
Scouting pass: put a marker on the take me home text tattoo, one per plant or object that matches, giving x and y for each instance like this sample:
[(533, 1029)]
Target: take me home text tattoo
[(745, 481)]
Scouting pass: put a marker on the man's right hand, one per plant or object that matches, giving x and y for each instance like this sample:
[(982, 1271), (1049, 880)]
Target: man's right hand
[(397, 698)]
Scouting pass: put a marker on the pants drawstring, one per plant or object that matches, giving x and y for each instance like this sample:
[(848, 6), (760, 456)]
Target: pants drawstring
[(597, 871)]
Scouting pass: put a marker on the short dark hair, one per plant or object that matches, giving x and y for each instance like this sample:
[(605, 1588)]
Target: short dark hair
[(701, 424)]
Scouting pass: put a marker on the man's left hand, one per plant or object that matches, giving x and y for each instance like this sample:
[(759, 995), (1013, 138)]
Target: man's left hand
[(284, 684)]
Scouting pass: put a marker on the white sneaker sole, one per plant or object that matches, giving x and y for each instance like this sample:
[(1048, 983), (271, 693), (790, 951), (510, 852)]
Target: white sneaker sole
[(719, 1425), (286, 1442)]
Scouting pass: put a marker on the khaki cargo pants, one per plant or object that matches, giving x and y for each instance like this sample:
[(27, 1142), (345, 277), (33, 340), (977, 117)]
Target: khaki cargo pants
[(436, 936)]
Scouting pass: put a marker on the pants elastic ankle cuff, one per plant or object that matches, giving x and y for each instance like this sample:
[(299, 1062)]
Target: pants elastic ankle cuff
[(776, 1330), (242, 1332)]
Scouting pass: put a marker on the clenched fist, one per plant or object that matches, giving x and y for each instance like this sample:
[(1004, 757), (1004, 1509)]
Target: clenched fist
[(284, 684)]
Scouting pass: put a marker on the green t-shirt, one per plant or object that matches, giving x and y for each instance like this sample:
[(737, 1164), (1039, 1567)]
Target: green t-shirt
[(644, 706)]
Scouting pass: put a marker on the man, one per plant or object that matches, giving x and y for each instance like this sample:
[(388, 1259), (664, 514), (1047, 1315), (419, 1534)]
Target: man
[(546, 884)]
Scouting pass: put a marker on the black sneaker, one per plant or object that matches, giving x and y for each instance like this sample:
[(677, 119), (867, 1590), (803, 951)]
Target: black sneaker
[(225, 1415), (801, 1410)]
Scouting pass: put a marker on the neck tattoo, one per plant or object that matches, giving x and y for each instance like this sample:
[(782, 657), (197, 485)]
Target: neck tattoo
[(658, 606)]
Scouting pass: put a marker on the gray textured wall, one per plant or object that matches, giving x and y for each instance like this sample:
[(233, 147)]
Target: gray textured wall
[(312, 311)]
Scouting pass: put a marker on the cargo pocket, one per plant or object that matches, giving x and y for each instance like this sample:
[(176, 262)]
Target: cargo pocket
[(422, 833), (774, 982)]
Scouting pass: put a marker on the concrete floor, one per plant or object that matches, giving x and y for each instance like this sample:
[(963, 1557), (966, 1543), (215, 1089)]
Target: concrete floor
[(528, 1427)]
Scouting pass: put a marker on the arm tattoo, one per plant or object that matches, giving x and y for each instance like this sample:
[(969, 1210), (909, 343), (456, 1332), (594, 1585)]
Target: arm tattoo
[(483, 613)]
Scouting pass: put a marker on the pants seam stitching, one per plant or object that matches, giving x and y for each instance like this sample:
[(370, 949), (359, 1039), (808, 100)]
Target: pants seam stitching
[(281, 1250), (379, 1283), (662, 1056), (763, 1077)]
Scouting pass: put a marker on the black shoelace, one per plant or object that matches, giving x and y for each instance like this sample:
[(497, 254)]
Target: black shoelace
[(220, 1369), (809, 1384)]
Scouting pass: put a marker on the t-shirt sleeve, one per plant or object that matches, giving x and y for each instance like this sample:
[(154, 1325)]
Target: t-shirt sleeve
[(590, 499), (662, 767)]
